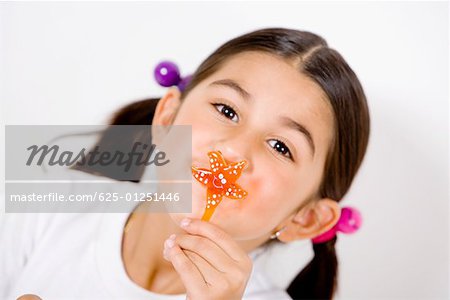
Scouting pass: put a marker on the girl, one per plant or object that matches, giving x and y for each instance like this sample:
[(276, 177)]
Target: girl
[(293, 108)]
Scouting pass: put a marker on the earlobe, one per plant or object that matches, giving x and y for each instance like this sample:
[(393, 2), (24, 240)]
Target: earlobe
[(167, 107)]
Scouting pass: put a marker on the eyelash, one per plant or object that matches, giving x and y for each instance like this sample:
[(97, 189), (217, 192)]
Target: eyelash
[(289, 154), (229, 108), (233, 111)]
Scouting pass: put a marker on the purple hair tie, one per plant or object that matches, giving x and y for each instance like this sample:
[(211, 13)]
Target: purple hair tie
[(167, 74), (349, 222)]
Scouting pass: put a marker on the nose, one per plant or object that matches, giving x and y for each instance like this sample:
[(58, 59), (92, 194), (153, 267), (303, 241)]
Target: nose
[(231, 154), (234, 149)]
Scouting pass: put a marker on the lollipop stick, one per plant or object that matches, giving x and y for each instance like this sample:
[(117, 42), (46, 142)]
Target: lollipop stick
[(208, 213)]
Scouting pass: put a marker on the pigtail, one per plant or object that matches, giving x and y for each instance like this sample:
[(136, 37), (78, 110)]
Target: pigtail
[(136, 113), (318, 280)]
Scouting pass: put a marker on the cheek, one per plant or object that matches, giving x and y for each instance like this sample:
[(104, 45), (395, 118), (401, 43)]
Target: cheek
[(202, 134), (270, 200), (273, 195)]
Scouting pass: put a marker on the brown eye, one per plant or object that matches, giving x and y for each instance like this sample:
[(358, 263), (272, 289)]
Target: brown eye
[(281, 148), (227, 111)]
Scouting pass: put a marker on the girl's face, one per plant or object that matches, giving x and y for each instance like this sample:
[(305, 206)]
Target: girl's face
[(259, 108)]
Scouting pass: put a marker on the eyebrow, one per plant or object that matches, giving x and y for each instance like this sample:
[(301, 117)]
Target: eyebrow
[(302, 129), (233, 85)]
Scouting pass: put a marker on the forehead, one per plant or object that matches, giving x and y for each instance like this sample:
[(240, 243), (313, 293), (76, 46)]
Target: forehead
[(278, 85)]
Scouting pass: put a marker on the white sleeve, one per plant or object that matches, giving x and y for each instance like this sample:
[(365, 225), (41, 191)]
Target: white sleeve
[(260, 287), (275, 293), (275, 267), (17, 238)]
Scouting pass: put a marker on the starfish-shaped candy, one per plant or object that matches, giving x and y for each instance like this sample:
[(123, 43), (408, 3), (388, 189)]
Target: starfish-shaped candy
[(220, 181)]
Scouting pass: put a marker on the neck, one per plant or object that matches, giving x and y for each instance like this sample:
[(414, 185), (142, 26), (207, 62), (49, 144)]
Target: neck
[(142, 248)]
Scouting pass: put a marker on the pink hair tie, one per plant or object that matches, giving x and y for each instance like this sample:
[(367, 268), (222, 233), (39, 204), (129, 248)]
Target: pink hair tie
[(349, 222)]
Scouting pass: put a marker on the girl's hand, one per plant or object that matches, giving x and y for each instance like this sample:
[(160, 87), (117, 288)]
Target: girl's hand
[(210, 263)]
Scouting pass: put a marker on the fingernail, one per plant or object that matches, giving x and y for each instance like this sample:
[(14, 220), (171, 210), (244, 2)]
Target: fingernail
[(165, 255), (185, 222), (169, 243)]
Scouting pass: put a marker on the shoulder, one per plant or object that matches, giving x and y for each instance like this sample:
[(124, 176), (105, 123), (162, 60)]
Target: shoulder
[(274, 268), (260, 287)]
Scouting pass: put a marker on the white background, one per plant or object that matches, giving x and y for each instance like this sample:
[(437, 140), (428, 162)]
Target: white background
[(75, 63)]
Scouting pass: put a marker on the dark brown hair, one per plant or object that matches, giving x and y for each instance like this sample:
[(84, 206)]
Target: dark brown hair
[(310, 54)]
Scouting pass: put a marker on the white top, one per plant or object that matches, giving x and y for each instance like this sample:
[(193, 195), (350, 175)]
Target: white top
[(78, 256)]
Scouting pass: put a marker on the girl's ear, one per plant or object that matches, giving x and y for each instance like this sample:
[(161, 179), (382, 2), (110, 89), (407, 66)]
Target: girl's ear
[(167, 107), (312, 221)]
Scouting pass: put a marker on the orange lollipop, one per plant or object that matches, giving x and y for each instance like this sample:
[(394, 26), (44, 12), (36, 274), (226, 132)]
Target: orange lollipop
[(220, 181)]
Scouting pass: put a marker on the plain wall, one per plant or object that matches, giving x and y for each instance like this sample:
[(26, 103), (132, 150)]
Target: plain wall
[(75, 63)]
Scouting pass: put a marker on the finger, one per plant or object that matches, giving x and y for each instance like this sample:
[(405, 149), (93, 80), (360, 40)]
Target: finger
[(189, 273), (208, 250), (29, 297), (218, 236), (210, 274)]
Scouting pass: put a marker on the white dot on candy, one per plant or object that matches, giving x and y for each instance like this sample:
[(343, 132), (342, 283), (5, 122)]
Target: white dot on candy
[(223, 181)]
